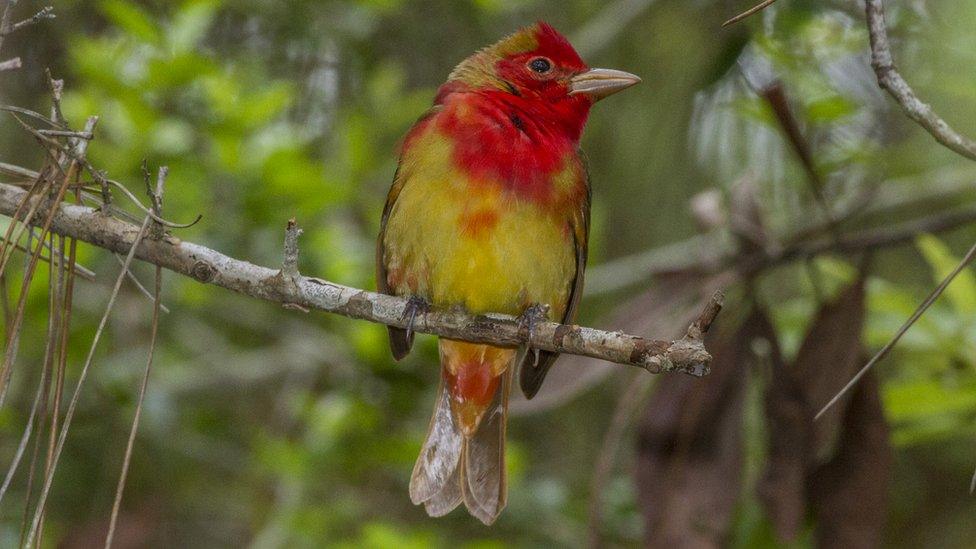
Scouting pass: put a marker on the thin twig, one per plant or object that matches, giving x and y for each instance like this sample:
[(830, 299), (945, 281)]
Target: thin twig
[(23, 439), (24, 213), (7, 28), (16, 171), (156, 231), (51, 203), (45, 13), (289, 266), (139, 285), (138, 413), (13, 341), (55, 287), (66, 133), (57, 92), (32, 114), (891, 80), (84, 272), (135, 200), (156, 197), (5, 302), (49, 478), (99, 177), (753, 10), (64, 332), (970, 255)]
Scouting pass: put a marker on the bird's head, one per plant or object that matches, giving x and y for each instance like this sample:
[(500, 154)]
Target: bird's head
[(537, 63)]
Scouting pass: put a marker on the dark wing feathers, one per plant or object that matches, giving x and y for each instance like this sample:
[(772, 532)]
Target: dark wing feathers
[(400, 343)]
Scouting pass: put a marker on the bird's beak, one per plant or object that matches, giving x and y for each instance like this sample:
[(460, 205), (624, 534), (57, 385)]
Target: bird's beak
[(599, 83)]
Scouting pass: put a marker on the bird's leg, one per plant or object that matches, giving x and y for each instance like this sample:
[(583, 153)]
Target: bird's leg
[(415, 304), (529, 319)]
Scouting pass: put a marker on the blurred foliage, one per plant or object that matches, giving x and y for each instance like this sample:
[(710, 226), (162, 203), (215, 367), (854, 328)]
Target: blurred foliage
[(278, 429)]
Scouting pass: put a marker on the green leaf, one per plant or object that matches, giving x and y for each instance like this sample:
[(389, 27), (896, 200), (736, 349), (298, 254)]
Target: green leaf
[(132, 19), (179, 70), (190, 25), (829, 109), (962, 292), (172, 136), (916, 400)]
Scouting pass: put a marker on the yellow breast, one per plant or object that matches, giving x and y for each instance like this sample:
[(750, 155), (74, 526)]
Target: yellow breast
[(455, 242)]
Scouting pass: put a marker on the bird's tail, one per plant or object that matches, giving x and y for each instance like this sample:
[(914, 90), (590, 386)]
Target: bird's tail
[(463, 457)]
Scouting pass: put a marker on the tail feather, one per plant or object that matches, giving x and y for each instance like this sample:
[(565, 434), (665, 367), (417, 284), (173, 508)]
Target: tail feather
[(440, 455), (448, 498), (485, 487), (465, 464)]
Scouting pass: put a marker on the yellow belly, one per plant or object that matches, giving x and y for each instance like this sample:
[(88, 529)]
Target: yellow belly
[(477, 248)]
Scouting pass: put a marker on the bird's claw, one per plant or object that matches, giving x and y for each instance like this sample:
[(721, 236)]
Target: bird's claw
[(528, 320), (415, 304)]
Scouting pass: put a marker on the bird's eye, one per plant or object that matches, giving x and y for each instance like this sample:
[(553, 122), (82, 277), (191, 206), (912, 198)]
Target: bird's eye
[(540, 65)]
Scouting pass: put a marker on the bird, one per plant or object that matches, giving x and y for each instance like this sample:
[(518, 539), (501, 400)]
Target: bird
[(489, 212)]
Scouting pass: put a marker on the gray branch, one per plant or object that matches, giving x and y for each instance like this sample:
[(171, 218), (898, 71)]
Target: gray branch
[(209, 266), (891, 80)]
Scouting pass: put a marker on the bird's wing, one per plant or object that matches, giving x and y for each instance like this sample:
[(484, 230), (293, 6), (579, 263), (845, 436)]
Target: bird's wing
[(400, 340), (532, 372)]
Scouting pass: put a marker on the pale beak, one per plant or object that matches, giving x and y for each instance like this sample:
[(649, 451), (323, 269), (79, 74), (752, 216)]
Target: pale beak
[(599, 83)]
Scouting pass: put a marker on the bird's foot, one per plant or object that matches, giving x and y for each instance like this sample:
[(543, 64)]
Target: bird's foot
[(531, 317), (415, 304)]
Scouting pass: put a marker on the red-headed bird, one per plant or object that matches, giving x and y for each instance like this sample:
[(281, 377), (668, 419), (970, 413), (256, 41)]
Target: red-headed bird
[(489, 212)]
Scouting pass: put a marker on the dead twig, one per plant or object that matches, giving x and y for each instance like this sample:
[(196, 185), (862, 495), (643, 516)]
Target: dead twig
[(23, 439), (156, 198), (7, 28), (45, 13), (49, 477), (891, 81), (44, 200), (80, 270), (32, 114), (924, 306), (749, 12), (66, 133), (139, 285), (289, 266)]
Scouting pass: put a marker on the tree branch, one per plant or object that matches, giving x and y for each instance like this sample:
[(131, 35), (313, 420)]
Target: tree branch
[(891, 80), (209, 266)]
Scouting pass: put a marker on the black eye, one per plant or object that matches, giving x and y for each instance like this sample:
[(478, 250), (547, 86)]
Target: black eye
[(540, 65)]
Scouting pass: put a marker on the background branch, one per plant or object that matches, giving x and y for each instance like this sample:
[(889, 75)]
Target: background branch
[(891, 80)]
